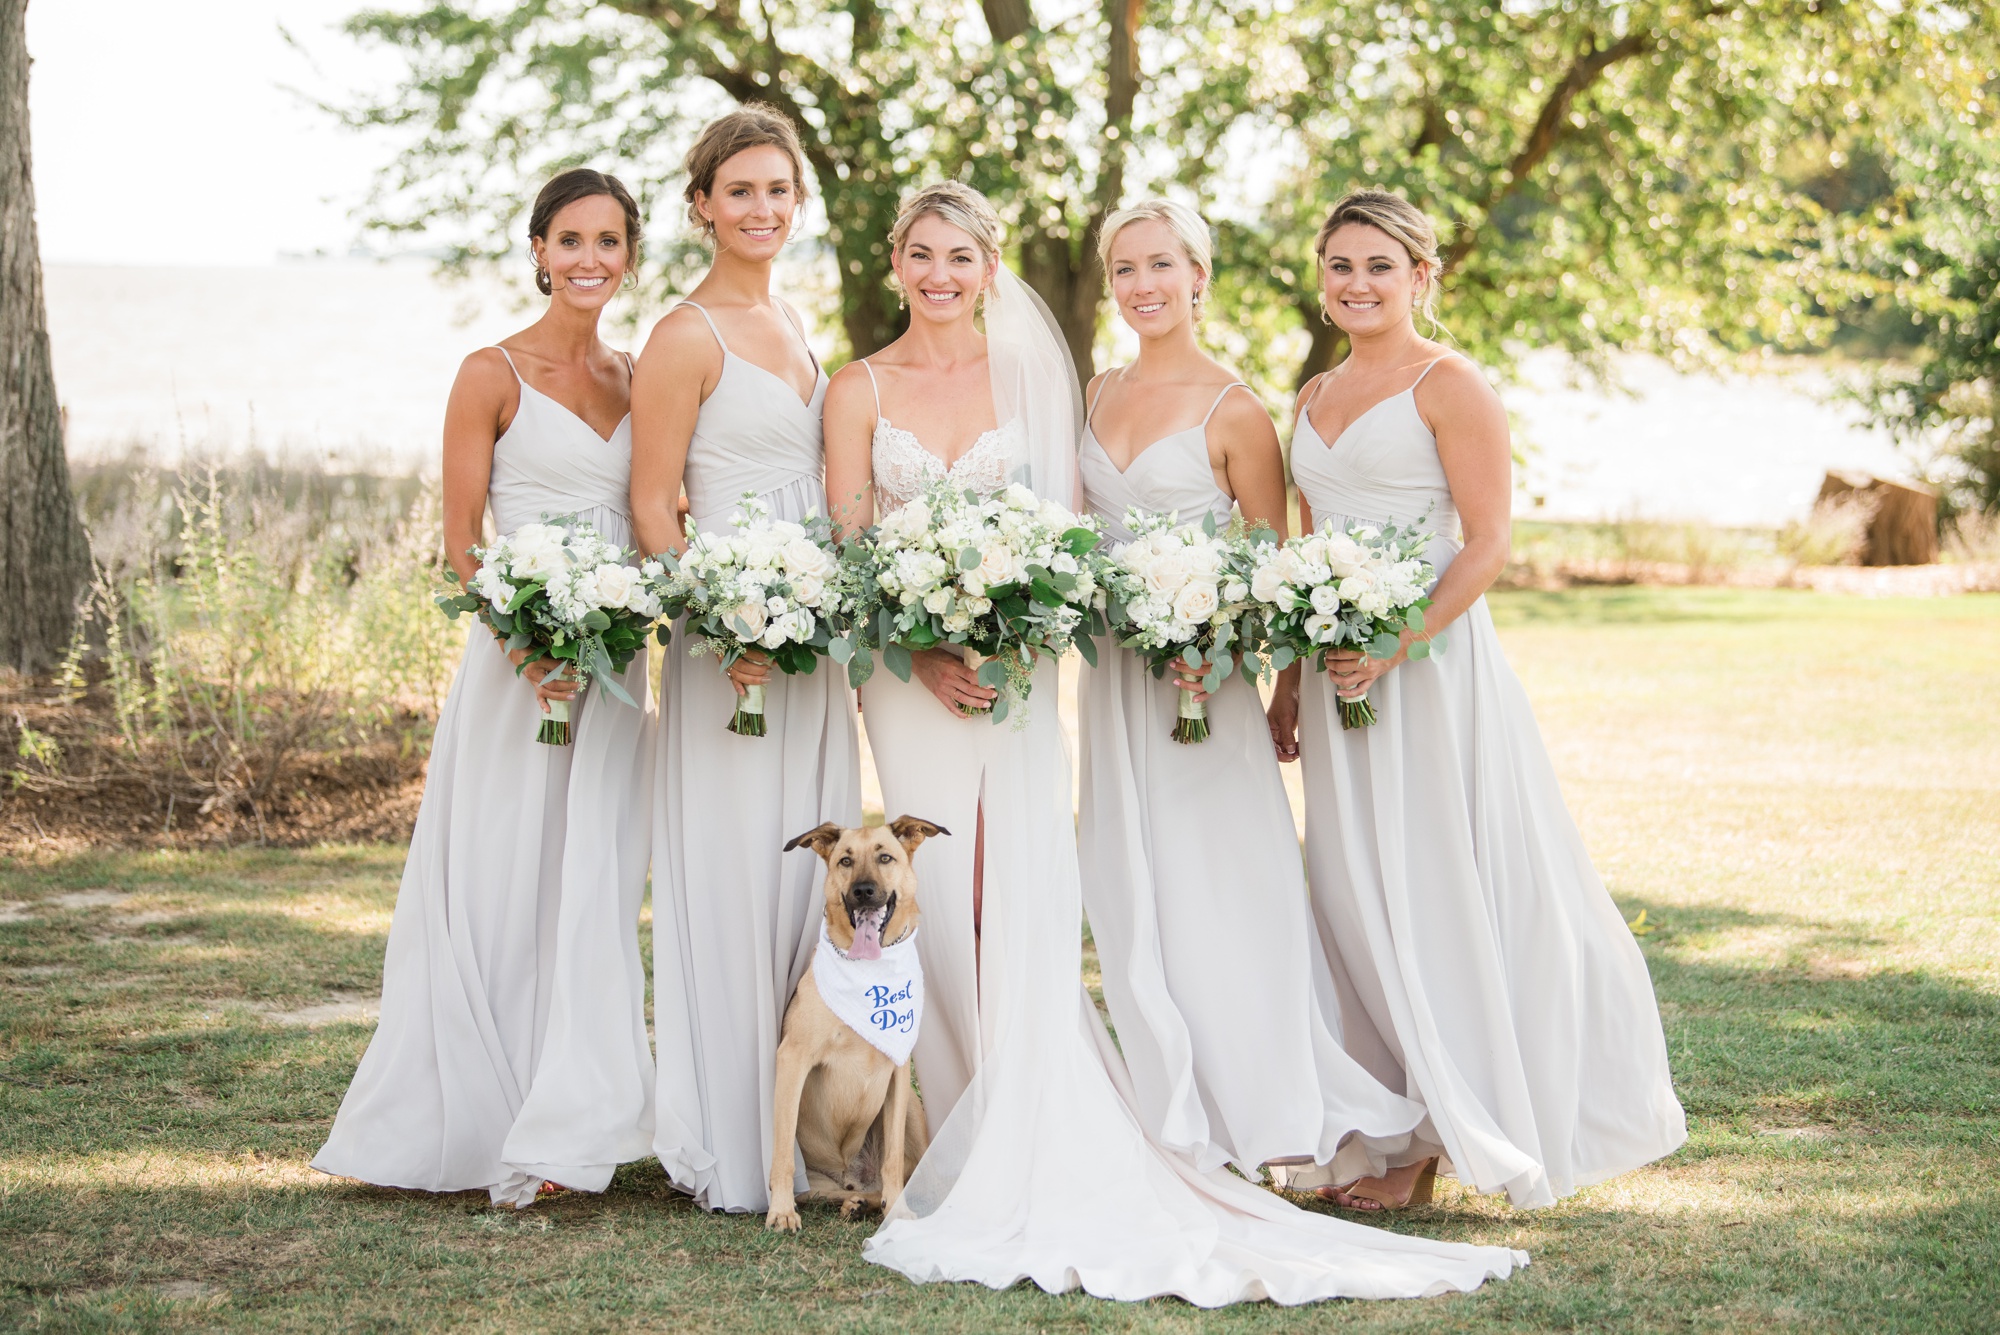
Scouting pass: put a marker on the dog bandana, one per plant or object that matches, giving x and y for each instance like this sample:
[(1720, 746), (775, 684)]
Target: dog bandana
[(880, 999)]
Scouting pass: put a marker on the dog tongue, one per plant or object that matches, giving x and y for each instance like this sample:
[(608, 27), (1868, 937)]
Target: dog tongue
[(867, 935)]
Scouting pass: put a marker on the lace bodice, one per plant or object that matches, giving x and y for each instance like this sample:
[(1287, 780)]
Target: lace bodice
[(903, 467)]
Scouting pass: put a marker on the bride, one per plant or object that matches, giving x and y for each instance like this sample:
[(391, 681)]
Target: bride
[(1038, 1168)]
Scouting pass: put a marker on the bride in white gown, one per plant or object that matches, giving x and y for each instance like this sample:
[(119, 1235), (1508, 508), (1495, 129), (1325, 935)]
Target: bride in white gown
[(1483, 969), (1038, 1167)]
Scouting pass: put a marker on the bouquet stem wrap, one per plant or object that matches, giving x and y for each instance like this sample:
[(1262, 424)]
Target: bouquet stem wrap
[(555, 729), (1192, 725), (748, 720)]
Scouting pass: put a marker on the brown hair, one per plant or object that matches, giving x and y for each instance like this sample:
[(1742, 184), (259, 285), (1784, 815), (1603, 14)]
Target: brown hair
[(752, 125), (1399, 219), (565, 189)]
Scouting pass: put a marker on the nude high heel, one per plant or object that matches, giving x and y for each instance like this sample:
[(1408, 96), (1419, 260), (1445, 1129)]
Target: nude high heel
[(1421, 1188)]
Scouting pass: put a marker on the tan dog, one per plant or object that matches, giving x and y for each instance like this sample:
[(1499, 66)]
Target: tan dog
[(839, 1098)]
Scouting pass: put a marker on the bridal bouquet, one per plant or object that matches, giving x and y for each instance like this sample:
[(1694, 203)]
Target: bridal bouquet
[(559, 590), (1182, 592), (1360, 588), (1005, 578), (772, 585)]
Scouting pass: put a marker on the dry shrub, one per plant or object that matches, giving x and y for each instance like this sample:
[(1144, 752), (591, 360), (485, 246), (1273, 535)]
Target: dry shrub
[(1833, 533), (240, 630)]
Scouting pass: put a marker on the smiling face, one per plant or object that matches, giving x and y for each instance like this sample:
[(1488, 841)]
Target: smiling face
[(942, 270), (752, 203), (1368, 280), (586, 252), (1153, 280)]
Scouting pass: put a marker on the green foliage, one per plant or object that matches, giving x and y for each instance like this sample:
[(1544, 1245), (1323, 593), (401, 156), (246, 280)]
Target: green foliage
[(1942, 262)]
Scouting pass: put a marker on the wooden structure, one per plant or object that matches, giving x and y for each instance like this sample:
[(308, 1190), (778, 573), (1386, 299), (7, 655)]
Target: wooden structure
[(1902, 519)]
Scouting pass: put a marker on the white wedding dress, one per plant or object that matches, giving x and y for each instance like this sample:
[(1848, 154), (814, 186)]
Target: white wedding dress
[(1196, 893), (1038, 1167), (1483, 969), (512, 1044), (735, 918)]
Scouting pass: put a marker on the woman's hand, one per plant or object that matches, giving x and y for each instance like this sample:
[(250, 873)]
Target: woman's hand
[(540, 673), (1353, 672), (945, 675), (1188, 678), (753, 669), (1283, 716)]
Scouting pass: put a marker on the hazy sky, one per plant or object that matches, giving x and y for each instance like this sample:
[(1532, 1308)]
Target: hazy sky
[(164, 131)]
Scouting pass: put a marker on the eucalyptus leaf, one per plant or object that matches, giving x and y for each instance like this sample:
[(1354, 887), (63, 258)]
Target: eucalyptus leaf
[(1087, 648), (840, 649), (969, 559), (897, 659)]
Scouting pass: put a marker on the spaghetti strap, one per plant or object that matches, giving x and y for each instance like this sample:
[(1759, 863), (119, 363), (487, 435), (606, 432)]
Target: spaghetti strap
[(1095, 397), (1236, 384), (876, 384), (1313, 393), (631, 367), (798, 329), (711, 324), (510, 363), (1426, 371)]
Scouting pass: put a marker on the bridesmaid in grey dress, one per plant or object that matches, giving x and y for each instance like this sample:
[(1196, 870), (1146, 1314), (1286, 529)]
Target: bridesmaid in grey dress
[(1484, 971), (1192, 878), (727, 400), (512, 1047)]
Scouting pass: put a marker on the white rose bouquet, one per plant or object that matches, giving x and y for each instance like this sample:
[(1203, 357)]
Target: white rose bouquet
[(1360, 588), (1006, 578), (771, 585), (559, 590), (1182, 592)]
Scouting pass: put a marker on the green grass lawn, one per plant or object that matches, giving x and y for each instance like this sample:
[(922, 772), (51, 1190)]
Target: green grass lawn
[(1801, 791)]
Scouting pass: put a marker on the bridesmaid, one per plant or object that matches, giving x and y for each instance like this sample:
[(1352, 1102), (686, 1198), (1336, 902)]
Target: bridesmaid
[(1483, 969), (727, 400), (1191, 872), (512, 1045)]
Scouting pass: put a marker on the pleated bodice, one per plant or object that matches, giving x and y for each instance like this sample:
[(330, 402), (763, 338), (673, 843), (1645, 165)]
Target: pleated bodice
[(753, 434), (551, 462), (1170, 476), (1384, 468)]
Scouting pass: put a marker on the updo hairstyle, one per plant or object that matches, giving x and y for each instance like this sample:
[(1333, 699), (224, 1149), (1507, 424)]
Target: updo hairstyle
[(752, 125), (565, 189), (1188, 227), (953, 202), (1405, 223)]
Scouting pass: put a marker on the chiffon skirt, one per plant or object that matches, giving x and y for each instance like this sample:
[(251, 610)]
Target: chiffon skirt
[(1483, 969), (735, 918), (1196, 895), (1039, 1168), (512, 1042)]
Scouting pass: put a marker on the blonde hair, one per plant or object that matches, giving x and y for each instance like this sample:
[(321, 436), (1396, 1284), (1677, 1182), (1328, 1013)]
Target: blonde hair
[(955, 203), (1403, 222), (752, 125), (1190, 229)]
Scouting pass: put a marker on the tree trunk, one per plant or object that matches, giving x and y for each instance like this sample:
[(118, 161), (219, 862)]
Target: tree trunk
[(44, 556)]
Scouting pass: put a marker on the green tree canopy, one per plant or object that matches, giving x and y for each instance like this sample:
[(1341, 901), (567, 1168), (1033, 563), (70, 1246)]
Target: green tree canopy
[(1657, 175)]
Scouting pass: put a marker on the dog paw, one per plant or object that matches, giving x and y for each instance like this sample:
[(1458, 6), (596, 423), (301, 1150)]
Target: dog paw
[(782, 1219), (850, 1207)]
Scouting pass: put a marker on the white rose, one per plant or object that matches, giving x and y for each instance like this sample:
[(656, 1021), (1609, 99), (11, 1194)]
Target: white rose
[(776, 606), (1020, 498), (762, 553), (643, 601), (1326, 600), (1358, 586), (651, 569), (1235, 591), (912, 519), (1197, 602), (747, 620), (938, 601), (997, 564), (537, 553), (803, 556), (958, 621), (977, 606), (1167, 573), (614, 585), (1375, 602), (808, 589), (774, 635), (1267, 583), (1055, 516), (1064, 564)]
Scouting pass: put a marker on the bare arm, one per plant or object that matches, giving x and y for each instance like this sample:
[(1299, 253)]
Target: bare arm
[(675, 374), (848, 420), (1251, 459), (1283, 714), (483, 401)]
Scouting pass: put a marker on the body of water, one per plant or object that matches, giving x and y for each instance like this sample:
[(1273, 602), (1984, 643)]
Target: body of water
[(352, 361)]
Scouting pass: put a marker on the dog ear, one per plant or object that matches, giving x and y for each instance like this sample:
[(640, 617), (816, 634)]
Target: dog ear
[(819, 838), (913, 830)]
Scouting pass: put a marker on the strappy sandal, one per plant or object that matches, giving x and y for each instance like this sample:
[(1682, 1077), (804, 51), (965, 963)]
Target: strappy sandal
[(1422, 1187)]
